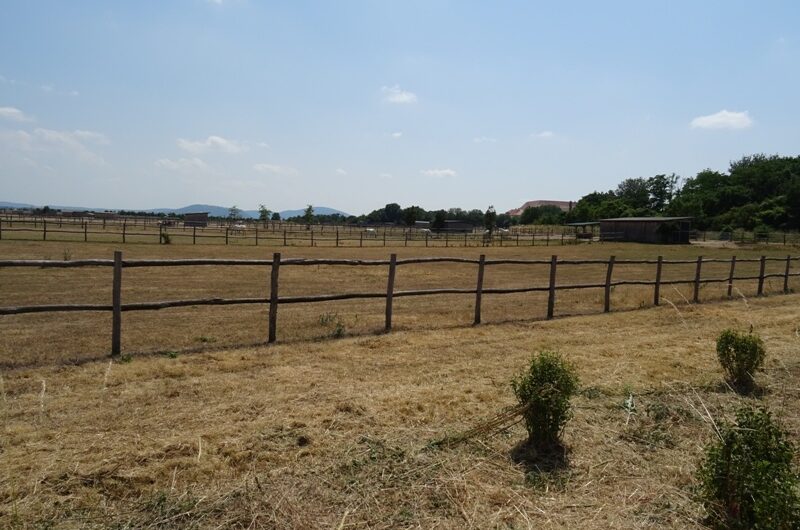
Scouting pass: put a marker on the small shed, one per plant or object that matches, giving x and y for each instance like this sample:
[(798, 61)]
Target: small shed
[(460, 227), (198, 219), (584, 230), (647, 229)]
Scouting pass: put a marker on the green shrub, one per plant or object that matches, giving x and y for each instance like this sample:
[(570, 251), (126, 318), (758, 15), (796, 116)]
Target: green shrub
[(546, 388), (747, 480), (741, 356)]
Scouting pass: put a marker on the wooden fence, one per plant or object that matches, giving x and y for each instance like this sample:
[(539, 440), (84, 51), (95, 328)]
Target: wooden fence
[(275, 235), (274, 300)]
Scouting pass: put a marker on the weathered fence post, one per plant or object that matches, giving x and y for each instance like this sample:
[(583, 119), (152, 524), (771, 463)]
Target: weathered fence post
[(273, 297), (226, 234), (85, 232), (194, 235), (762, 267), (44, 230), (446, 239), (390, 290), (312, 237), (547, 244), (337, 237), (730, 276), (426, 239), (551, 297), (786, 274), (609, 271), (406, 240), (284, 237), (657, 290), (256, 235), (479, 289), (360, 239), (384, 237), (696, 295), (1, 229), (116, 302), (124, 227)]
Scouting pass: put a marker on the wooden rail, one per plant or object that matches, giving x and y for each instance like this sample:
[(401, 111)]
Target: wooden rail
[(274, 300)]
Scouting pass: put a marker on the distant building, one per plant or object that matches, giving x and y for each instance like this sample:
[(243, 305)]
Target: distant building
[(459, 227), (198, 219), (422, 224), (646, 229), (565, 206)]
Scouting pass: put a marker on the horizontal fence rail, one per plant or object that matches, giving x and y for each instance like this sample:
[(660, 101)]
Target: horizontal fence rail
[(118, 264)]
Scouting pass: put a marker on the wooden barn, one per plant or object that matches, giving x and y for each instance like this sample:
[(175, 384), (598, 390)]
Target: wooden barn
[(459, 227), (647, 229), (198, 219)]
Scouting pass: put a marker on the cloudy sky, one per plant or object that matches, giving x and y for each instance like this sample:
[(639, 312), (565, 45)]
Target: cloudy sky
[(355, 104)]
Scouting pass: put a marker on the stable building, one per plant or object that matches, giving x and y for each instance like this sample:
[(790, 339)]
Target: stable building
[(662, 230), (198, 219)]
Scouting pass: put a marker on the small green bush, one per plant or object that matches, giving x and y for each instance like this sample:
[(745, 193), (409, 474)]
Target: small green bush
[(741, 356), (747, 480), (546, 387)]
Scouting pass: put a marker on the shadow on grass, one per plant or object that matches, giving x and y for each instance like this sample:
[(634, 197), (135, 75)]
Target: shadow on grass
[(540, 460)]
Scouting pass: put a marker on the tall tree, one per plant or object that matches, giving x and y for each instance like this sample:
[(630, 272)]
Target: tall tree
[(490, 219), (263, 212), (308, 215), (234, 212)]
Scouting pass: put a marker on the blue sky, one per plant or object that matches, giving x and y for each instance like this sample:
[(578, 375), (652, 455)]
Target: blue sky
[(357, 104)]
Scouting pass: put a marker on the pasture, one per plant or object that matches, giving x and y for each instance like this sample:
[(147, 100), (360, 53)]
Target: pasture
[(203, 425)]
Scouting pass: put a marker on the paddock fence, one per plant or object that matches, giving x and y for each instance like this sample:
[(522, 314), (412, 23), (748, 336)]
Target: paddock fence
[(275, 300)]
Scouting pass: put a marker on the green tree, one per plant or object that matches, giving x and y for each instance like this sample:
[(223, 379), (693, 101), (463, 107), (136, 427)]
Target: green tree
[(276, 216), (308, 215), (234, 212), (438, 220), (263, 212), (490, 219)]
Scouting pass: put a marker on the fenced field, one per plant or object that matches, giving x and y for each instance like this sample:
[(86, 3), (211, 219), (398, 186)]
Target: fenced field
[(176, 298), (149, 230), (339, 433)]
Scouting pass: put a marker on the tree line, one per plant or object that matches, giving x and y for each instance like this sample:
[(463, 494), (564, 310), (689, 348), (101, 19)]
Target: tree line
[(758, 192)]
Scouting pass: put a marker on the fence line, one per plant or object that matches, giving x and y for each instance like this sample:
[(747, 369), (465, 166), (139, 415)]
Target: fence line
[(118, 264)]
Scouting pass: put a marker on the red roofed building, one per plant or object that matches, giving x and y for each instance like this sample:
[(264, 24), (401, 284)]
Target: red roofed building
[(564, 205)]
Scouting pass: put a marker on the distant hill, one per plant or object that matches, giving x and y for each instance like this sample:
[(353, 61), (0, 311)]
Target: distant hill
[(318, 210), (214, 211)]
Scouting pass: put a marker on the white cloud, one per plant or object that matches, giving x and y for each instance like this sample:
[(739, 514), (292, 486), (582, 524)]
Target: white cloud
[(385, 176), (183, 164), (484, 140), (723, 119), (13, 114), (397, 134), (263, 145), (545, 134), (340, 171), (212, 143), (439, 173), (394, 94), (275, 169), (69, 142)]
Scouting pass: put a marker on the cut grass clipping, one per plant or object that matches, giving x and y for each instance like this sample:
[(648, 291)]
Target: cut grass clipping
[(747, 480), (741, 356), (545, 390)]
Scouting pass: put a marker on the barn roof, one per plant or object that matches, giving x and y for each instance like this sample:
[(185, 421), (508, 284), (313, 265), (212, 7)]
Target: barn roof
[(648, 219)]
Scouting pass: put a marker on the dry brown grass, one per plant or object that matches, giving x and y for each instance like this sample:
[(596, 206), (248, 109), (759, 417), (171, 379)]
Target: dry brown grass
[(27, 340), (337, 433)]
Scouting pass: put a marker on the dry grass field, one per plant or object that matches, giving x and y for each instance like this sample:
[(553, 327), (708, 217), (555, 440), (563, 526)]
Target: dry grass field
[(224, 432), (32, 339)]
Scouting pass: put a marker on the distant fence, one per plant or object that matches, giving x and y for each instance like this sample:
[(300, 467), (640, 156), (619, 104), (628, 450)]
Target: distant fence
[(273, 234), (280, 233), (274, 300)]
